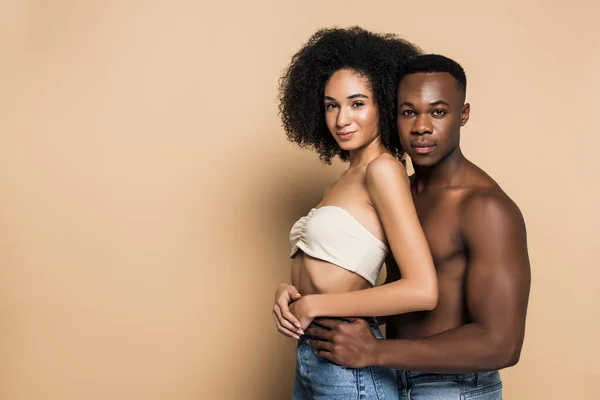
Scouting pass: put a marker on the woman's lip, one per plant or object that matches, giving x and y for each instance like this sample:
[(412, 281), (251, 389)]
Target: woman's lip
[(345, 136)]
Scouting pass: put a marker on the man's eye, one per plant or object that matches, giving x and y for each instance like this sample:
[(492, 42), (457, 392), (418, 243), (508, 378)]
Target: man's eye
[(439, 113), (408, 113)]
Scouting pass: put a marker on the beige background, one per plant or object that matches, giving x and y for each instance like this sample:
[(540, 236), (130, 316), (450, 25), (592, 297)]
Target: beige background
[(147, 188)]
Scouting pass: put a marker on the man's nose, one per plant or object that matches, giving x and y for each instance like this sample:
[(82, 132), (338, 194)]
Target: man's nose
[(422, 125)]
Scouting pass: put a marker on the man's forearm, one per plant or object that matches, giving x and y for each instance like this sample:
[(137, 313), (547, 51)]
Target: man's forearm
[(465, 349)]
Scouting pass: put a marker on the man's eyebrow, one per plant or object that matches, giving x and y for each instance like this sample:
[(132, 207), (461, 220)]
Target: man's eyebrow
[(434, 103), (437, 103)]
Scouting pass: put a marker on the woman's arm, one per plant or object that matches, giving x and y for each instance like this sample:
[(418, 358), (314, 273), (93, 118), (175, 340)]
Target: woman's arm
[(389, 188)]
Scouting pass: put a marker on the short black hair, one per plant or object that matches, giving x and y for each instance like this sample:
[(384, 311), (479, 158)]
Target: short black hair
[(433, 63), (376, 57)]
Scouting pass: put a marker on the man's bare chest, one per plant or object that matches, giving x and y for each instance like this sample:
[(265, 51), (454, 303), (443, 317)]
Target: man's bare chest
[(440, 219)]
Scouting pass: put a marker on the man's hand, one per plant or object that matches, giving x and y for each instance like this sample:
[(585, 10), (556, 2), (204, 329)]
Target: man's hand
[(351, 344), (287, 324)]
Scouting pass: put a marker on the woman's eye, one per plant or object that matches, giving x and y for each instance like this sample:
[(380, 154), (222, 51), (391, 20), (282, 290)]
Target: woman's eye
[(408, 113), (330, 106), (358, 104)]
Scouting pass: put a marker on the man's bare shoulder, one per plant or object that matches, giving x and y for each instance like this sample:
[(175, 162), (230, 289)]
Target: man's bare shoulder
[(488, 205), (489, 202)]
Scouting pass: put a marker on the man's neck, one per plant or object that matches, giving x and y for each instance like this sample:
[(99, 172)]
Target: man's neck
[(440, 175)]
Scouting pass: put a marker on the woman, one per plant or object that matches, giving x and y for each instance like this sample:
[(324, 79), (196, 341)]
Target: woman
[(338, 98)]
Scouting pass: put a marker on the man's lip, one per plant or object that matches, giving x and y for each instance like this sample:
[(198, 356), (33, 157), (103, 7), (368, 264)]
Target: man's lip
[(423, 148), (422, 144)]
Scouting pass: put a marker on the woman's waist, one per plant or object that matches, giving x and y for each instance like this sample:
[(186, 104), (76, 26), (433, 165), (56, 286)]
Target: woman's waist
[(314, 276)]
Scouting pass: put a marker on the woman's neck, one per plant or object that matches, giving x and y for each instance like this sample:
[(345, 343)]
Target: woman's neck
[(362, 157)]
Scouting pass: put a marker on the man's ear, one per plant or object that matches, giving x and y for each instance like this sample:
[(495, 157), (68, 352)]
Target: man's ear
[(464, 114)]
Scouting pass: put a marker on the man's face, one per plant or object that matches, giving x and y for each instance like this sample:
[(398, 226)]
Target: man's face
[(431, 111)]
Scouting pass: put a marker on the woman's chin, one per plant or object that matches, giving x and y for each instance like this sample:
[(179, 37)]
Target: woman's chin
[(347, 146)]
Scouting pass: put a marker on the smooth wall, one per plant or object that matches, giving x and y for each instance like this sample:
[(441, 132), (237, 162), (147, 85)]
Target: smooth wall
[(147, 188)]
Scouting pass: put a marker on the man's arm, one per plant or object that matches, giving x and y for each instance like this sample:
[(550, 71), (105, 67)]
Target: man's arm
[(497, 292)]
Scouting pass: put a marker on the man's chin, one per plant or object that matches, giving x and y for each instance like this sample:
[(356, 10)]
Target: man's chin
[(422, 161)]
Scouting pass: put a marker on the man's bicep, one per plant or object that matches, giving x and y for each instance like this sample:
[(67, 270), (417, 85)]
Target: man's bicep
[(498, 274)]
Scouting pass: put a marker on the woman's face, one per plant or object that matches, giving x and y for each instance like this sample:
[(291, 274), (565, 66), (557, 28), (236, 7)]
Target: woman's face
[(350, 110)]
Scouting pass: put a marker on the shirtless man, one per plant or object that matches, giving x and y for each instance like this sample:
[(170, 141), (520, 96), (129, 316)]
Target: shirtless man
[(477, 238)]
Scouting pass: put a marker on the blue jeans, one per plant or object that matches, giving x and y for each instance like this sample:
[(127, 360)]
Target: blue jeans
[(424, 386), (317, 378)]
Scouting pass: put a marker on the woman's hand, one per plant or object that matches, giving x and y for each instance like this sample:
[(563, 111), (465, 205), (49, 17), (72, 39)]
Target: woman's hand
[(303, 311), (287, 323)]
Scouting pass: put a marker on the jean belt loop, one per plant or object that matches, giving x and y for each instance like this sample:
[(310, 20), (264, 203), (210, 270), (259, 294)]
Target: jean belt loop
[(404, 379)]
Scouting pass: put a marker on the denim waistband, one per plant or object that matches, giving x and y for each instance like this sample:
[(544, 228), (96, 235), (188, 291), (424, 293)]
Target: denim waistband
[(372, 321), (409, 378)]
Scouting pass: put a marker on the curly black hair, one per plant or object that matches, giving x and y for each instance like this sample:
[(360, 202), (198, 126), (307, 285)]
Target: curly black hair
[(377, 57)]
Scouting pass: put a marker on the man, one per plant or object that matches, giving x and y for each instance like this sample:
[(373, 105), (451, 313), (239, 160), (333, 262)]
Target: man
[(477, 238)]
